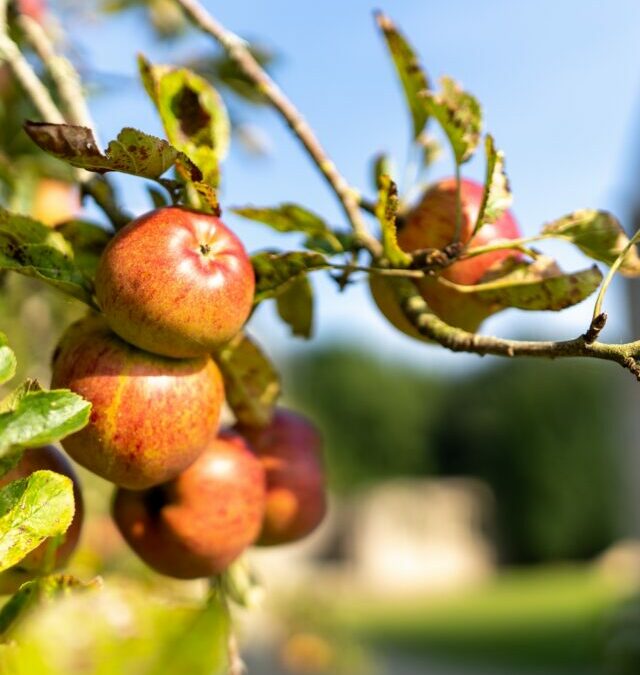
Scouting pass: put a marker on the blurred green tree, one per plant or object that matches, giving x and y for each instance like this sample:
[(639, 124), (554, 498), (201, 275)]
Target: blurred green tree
[(376, 417), (549, 455), (543, 437)]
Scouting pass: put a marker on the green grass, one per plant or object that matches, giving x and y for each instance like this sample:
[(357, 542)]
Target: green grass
[(554, 618)]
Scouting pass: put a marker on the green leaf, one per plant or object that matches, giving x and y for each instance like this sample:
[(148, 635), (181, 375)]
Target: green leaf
[(412, 78), (386, 212), (292, 218), (599, 235), (540, 285), (295, 307), (9, 457), (12, 400), (251, 381), (201, 648), (33, 592), (38, 417), (496, 198), (132, 152), (276, 271), (31, 510), (192, 113), (8, 361), (35, 250), (88, 241), (459, 115)]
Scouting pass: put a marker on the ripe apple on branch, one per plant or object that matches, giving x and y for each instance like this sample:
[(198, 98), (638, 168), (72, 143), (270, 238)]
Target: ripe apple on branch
[(141, 379)]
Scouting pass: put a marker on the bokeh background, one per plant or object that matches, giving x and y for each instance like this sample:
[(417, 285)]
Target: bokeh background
[(485, 514)]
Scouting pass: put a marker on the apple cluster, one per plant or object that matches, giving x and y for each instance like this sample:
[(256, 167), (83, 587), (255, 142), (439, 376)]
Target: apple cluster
[(174, 286)]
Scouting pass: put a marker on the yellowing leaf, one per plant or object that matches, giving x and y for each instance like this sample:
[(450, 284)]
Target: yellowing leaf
[(540, 285), (599, 235), (386, 211), (496, 198), (412, 78), (31, 510), (252, 383), (459, 115)]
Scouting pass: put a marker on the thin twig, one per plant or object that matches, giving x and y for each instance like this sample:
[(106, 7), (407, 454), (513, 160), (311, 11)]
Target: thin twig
[(367, 205), (502, 244), (612, 271), (24, 73), (240, 54), (458, 340), (69, 86), (381, 271), (63, 73)]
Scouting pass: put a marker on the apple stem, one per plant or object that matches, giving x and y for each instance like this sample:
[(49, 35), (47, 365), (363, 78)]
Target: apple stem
[(238, 52)]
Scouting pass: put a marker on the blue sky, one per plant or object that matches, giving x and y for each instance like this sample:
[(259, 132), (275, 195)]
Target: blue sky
[(559, 83)]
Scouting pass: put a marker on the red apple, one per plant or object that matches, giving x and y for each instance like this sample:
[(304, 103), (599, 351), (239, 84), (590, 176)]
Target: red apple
[(197, 524), (151, 416), (290, 448), (432, 224), (175, 282), (50, 459)]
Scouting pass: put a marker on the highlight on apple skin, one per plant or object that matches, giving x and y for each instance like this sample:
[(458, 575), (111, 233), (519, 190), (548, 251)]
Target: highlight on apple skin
[(47, 458), (290, 448), (197, 524), (175, 282), (431, 224), (151, 416)]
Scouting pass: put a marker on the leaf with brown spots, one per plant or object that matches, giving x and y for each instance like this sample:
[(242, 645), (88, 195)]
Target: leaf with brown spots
[(496, 198), (251, 381), (459, 115), (193, 115), (540, 285), (386, 212), (412, 77), (275, 272), (132, 152), (35, 250), (599, 235)]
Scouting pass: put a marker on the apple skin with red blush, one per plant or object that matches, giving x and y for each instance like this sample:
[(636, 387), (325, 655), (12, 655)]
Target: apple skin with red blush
[(175, 282), (290, 448), (197, 524), (151, 416)]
